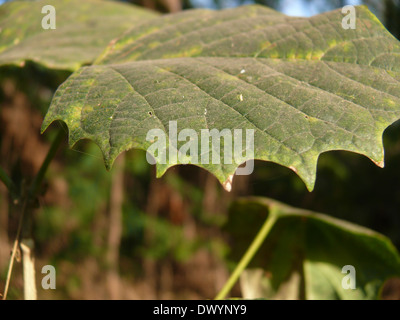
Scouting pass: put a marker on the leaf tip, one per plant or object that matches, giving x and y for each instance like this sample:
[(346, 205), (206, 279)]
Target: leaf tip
[(228, 183), (380, 164), (293, 168)]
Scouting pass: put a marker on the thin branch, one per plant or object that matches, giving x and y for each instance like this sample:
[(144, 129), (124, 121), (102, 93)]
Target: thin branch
[(42, 171), (14, 251), (31, 194), (7, 181), (248, 256)]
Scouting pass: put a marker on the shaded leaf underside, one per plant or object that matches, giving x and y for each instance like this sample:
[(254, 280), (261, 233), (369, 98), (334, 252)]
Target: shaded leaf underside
[(305, 86), (83, 29), (303, 255)]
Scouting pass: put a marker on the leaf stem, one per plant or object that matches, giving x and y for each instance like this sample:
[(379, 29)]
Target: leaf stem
[(49, 157), (7, 181), (32, 192), (249, 254)]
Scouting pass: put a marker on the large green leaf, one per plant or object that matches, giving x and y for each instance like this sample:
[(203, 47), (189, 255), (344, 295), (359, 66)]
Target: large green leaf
[(83, 30), (306, 86), (304, 253)]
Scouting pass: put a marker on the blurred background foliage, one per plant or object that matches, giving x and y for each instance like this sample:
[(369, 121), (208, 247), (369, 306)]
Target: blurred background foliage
[(166, 241)]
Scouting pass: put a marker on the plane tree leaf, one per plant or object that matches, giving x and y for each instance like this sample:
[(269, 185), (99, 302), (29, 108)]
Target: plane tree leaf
[(83, 30), (304, 254), (304, 85)]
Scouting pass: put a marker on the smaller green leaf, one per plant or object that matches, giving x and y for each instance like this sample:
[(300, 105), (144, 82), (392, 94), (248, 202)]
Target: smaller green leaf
[(83, 30), (303, 255)]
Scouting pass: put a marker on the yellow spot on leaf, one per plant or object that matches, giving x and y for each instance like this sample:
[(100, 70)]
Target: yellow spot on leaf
[(191, 52), (154, 44), (390, 102), (317, 55), (332, 43), (274, 55)]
